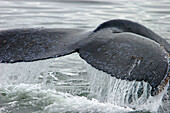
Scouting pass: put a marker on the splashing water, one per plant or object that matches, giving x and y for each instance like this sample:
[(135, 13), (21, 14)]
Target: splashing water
[(34, 97), (78, 89), (134, 94)]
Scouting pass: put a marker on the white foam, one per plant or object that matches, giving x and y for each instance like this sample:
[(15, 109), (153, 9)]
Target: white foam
[(53, 101)]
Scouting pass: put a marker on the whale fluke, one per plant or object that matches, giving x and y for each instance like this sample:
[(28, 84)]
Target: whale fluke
[(133, 27), (28, 45), (128, 56), (122, 48)]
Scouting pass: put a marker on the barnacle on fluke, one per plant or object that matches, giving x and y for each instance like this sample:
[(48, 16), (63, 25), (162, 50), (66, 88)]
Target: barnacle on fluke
[(122, 48)]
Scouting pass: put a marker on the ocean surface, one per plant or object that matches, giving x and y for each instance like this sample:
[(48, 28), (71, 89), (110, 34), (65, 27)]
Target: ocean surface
[(68, 84)]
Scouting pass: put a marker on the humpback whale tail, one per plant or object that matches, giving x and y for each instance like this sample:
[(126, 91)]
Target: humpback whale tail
[(124, 49)]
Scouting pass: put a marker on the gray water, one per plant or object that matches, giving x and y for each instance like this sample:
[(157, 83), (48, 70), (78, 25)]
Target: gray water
[(69, 84)]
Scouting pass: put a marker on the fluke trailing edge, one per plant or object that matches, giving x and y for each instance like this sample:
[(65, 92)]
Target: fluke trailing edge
[(124, 49)]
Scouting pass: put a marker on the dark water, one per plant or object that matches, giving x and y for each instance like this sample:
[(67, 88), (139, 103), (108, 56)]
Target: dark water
[(69, 84)]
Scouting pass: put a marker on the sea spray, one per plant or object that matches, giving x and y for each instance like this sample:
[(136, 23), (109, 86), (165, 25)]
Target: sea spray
[(133, 94)]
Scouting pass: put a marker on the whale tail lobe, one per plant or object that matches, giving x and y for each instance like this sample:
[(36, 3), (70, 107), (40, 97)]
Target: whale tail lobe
[(27, 45)]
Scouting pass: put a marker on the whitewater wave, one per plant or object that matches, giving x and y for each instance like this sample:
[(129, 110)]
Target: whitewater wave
[(48, 100)]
